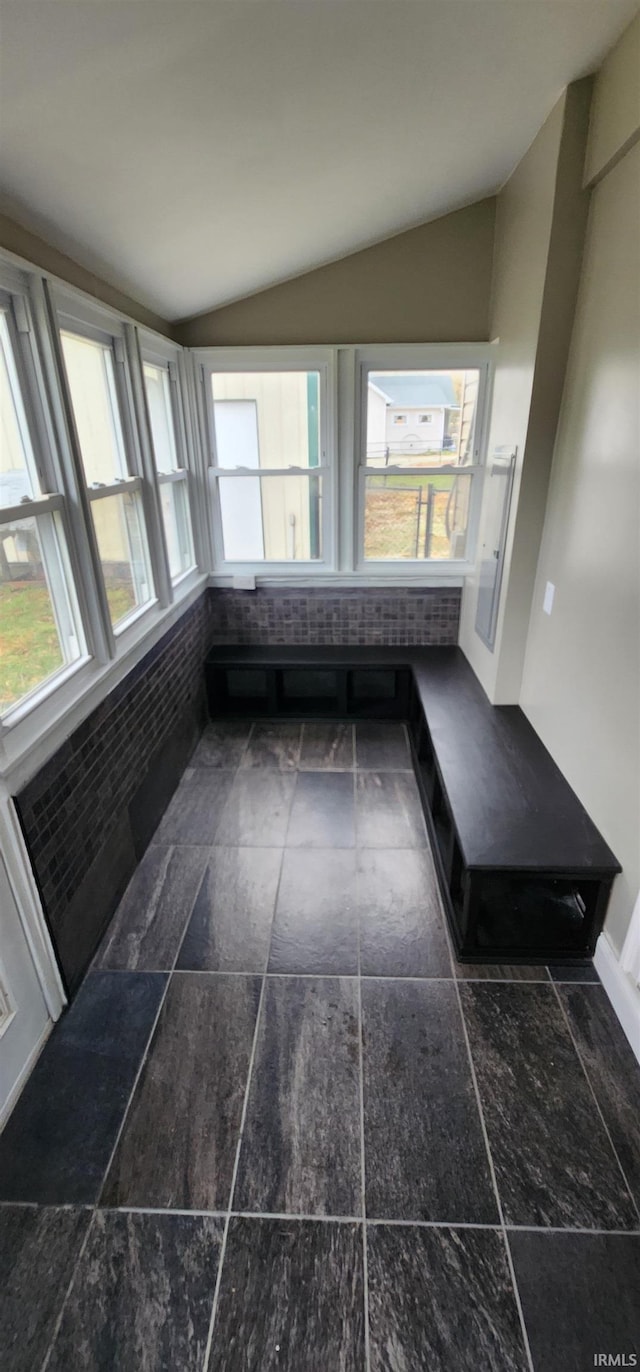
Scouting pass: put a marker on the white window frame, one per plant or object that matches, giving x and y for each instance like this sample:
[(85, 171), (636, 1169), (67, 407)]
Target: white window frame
[(32, 729), (162, 353), (49, 503), (416, 357), (91, 321), (209, 361)]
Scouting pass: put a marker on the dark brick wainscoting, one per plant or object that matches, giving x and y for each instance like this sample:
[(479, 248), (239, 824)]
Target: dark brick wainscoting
[(89, 813)]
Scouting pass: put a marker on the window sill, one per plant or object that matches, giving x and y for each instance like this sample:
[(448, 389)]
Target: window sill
[(392, 579)]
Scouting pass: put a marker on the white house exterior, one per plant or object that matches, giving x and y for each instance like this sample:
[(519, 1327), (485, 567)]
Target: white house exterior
[(409, 414)]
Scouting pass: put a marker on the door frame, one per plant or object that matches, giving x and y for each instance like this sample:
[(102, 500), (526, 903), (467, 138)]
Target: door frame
[(25, 892)]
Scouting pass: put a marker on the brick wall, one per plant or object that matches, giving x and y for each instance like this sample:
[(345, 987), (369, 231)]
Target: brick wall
[(89, 813)]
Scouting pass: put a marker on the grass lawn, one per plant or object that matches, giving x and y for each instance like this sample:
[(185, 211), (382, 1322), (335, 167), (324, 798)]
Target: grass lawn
[(396, 516), (29, 646)]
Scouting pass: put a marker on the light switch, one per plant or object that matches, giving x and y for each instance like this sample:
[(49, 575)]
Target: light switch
[(549, 593)]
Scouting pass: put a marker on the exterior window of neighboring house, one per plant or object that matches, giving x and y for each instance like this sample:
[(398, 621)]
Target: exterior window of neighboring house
[(418, 489), (42, 631), (267, 439), (95, 366), (400, 419), (168, 441)]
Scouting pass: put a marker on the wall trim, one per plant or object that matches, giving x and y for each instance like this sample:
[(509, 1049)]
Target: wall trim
[(624, 996)]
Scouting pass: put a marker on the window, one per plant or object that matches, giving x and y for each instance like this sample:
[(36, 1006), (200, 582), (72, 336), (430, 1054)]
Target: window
[(169, 452), (92, 362), (418, 465), (267, 433), (41, 632)]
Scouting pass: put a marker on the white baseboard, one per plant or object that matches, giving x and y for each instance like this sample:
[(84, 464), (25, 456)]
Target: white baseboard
[(623, 994)]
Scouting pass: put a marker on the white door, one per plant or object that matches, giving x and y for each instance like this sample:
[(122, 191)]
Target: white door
[(28, 1005)]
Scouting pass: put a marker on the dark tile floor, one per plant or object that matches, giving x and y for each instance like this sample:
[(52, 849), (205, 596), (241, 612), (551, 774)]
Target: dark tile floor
[(280, 1129)]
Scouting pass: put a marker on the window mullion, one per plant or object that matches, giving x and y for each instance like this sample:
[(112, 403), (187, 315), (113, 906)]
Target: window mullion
[(83, 548), (57, 584), (151, 495)]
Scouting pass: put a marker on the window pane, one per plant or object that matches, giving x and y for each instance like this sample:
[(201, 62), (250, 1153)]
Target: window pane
[(174, 501), (267, 419), (37, 619), (123, 553), (421, 418), (95, 407), (18, 476), (158, 387), (416, 516), (275, 519)]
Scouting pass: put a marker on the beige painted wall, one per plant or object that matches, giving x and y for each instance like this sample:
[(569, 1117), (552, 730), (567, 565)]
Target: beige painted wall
[(16, 239), (615, 114), (429, 284), (542, 215), (581, 686), (523, 231)]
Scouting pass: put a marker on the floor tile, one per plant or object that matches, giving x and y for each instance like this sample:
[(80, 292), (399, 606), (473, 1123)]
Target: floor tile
[(178, 1146), (273, 745), (322, 814), (579, 1295), (57, 1143), (39, 1248), (194, 812), (425, 1157), (222, 744), (381, 746), (401, 922), (554, 1163), (388, 811), (256, 812), (481, 971), (441, 1299), (326, 745), (145, 932), (291, 1298), (578, 971), (612, 1069), (142, 1295), (230, 927), (315, 927), (301, 1145)]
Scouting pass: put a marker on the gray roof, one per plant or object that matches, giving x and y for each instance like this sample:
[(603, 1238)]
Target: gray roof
[(431, 389)]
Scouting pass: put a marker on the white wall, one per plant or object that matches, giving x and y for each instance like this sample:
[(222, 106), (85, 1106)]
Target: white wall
[(581, 684)]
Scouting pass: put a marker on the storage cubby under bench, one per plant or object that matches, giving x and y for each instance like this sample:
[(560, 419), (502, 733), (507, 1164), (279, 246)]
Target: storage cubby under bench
[(524, 873)]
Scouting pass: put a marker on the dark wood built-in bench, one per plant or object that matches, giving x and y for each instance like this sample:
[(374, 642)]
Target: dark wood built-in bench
[(524, 873)]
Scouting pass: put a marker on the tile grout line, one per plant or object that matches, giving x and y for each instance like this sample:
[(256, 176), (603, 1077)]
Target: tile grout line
[(614, 1150), (76, 1265), (365, 1260), (347, 976), (283, 1215), (223, 1248), (512, 1273), (141, 1064)]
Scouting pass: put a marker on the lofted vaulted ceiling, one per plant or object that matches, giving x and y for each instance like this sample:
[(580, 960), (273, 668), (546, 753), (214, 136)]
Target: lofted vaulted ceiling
[(192, 153)]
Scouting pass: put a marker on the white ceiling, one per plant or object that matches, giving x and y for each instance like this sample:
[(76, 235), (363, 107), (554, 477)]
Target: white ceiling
[(192, 153)]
